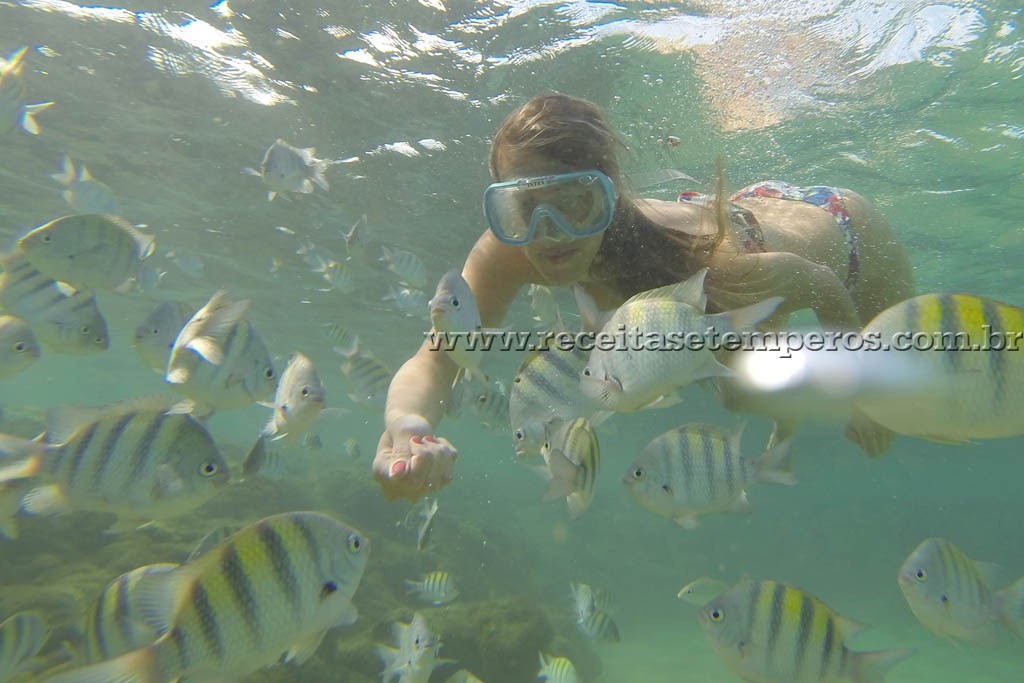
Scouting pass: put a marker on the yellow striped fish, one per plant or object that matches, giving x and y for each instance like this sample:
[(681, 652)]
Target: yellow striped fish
[(949, 593), (769, 632), (573, 457), (436, 587), (557, 670), (266, 595), (64, 320), (18, 346), (134, 459), (115, 624), (154, 337), (697, 469), (21, 637), (547, 387), (88, 251), (368, 374), (218, 360), (984, 395), (599, 626)]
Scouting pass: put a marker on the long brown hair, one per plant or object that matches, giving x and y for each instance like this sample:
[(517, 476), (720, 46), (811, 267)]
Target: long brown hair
[(636, 253)]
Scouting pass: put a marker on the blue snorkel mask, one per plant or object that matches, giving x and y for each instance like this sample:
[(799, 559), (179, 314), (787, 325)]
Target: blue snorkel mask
[(581, 204)]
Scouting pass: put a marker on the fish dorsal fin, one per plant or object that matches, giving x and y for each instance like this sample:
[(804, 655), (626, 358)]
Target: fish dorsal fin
[(689, 291), (161, 594), (989, 572), (592, 318), (849, 627), (63, 421)]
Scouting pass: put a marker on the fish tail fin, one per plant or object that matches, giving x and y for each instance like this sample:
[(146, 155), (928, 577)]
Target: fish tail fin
[(67, 173), (747, 318), (871, 667), (1010, 602), (140, 666), (776, 464), (28, 112), (319, 177)]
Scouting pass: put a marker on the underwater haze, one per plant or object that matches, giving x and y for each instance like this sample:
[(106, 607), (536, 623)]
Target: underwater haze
[(172, 106)]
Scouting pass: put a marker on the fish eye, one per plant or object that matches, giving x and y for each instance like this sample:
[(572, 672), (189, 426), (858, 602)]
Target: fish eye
[(716, 615), (305, 391), (517, 380), (85, 329), (587, 371), (269, 373), (208, 469), (455, 302), (519, 435), (330, 587), (19, 346), (666, 488), (921, 575), (355, 543), (945, 598), (47, 238), (156, 330), (638, 473)]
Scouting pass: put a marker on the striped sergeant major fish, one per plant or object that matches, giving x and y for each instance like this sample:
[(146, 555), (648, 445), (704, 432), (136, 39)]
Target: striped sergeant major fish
[(436, 587), (63, 319), (573, 458), (974, 346), (21, 637), (116, 623), (954, 596), (268, 594), (769, 632), (138, 459)]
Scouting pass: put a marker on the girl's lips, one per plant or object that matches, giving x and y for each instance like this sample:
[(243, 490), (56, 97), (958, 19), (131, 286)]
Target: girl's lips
[(559, 255)]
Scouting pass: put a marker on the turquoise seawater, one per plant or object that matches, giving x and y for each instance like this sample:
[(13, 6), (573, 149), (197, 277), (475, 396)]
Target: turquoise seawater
[(916, 105)]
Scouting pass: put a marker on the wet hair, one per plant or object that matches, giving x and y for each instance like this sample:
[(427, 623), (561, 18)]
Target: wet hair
[(636, 253)]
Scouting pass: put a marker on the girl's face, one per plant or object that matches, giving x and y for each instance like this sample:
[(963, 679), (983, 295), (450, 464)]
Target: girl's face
[(559, 258)]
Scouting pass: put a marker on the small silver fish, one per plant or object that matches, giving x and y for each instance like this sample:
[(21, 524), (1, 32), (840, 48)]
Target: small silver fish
[(408, 301), (116, 623), (291, 169), (425, 512), (490, 405), (18, 346), (299, 399), (21, 637), (545, 309), (369, 375), (357, 238), (951, 594), (84, 193), (352, 449), (698, 469), (415, 657), (436, 587), (13, 110), (406, 265), (154, 337)]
